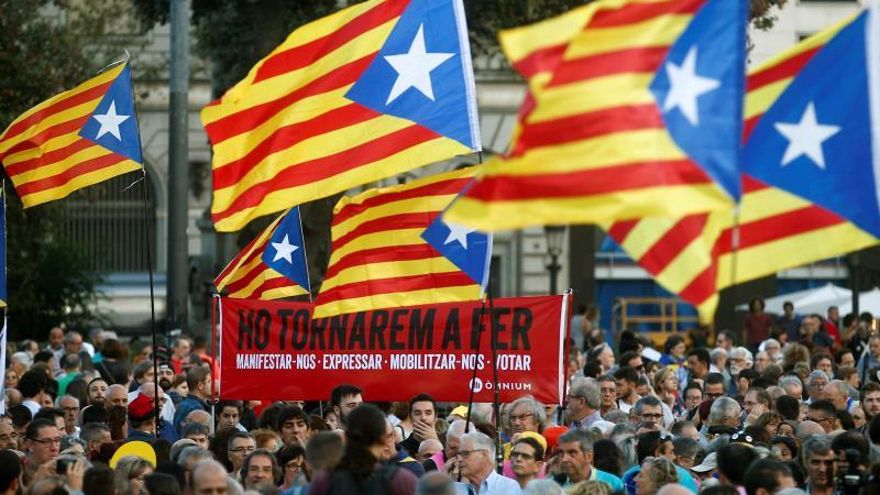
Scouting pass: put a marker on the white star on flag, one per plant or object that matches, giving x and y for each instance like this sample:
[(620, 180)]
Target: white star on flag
[(284, 249), (458, 233), (806, 137), (686, 86), (414, 68), (110, 122)]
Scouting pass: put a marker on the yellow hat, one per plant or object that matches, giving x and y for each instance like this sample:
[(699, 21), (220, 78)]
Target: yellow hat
[(535, 436), (137, 449), (460, 411)]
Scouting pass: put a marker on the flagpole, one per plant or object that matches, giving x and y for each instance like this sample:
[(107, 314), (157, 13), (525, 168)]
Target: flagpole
[(496, 398), (305, 251), (146, 200), (3, 324), (470, 406)]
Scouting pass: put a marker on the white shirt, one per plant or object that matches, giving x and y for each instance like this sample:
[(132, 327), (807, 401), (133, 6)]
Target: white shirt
[(32, 406), (168, 409), (494, 484)]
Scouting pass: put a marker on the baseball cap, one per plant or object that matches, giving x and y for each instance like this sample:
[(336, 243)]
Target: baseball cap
[(708, 464)]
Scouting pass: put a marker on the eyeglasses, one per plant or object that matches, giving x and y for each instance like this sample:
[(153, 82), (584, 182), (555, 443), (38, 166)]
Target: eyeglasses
[(816, 420), (293, 465), (522, 455), (47, 441), (572, 397), (467, 453), (239, 450)]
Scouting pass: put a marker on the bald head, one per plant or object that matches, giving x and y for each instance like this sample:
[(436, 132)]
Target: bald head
[(435, 482), (807, 428), (149, 389), (674, 489), (206, 475), (117, 395), (199, 416)]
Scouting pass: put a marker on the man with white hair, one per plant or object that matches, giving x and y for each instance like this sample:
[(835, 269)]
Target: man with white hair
[(724, 417), (166, 429), (438, 461), (793, 386), (739, 359), (476, 461), (816, 383), (837, 391)]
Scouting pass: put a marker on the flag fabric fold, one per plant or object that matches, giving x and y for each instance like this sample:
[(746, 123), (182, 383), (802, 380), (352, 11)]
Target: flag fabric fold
[(693, 256), (3, 290), (630, 103), (272, 266), (374, 90), (73, 140), (391, 248)]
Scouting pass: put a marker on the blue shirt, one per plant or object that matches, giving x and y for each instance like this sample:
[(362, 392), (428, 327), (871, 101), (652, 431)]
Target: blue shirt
[(684, 479), (595, 475), (188, 405), (494, 484)]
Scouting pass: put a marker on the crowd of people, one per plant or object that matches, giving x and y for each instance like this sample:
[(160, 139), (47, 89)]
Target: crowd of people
[(793, 408)]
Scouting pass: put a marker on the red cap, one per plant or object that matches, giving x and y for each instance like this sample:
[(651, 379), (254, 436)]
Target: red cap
[(552, 435), (141, 408)]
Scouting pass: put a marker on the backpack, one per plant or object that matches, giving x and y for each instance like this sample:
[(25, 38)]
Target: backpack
[(379, 483)]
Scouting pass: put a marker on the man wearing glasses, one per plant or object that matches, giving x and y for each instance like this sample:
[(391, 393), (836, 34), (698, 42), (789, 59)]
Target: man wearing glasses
[(239, 445), (43, 443), (476, 461), (527, 458), (824, 413), (583, 404)]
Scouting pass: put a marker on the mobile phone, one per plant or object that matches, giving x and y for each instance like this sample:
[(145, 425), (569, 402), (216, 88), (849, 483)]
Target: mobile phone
[(61, 466)]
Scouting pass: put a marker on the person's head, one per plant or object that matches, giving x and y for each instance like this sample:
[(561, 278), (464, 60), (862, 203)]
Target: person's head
[(196, 432), (291, 460), (626, 379), (858, 415), (130, 474), (818, 460), (686, 429), (453, 436), (632, 359), (576, 453), (293, 425), (693, 395), (724, 412), (823, 413), (54, 415), (851, 440), (70, 405), (228, 413), (161, 484), (10, 471), (182, 348), (143, 372), (648, 413), (43, 440), (422, 408), (816, 383), (428, 448), (713, 388), (583, 398), (8, 436), (259, 469), (740, 359), (198, 380), (97, 391), (687, 451), (762, 360), (724, 340), (34, 385), (604, 354), (698, 362), (607, 392), (527, 457), (837, 392), (344, 399), (869, 398), (208, 477), (655, 473), (95, 435), (238, 446), (117, 395), (733, 460), (476, 455), (323, 452), (767, 476), (874, 346), (526, 414), (73, 342), (754, 397)]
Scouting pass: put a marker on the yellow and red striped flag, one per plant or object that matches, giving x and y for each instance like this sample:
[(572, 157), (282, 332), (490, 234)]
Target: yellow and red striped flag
[(272, 266), (78, 138), (383, 255), (369, 92), (693, 256), (634, 109)]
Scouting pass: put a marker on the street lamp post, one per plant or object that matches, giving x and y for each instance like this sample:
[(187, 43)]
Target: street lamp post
[(555, 235)]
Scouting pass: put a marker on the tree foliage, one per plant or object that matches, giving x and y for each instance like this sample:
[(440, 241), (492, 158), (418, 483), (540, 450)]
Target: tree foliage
[(48, 277)]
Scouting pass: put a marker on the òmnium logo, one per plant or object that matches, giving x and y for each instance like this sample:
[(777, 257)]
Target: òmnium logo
[(476, 385)]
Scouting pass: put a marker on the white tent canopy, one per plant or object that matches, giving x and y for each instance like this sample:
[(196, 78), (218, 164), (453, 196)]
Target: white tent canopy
[(868, 301), (809, 301)]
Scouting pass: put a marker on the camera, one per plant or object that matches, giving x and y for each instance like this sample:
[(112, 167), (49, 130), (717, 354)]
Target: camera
[(61, 466)]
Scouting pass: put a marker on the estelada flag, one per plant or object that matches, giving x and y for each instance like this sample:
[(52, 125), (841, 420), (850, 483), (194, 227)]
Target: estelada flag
[(392, 248), (272, 266), (78, 138), (693, 256), (369, 92), (634, 109)]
